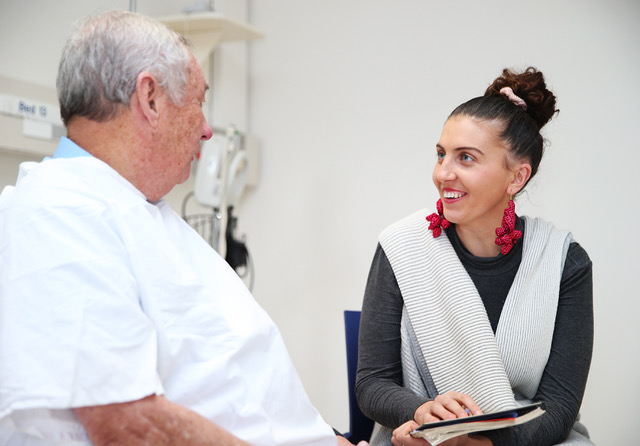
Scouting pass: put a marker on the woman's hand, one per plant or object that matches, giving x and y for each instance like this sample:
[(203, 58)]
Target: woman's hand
[(447, 407), (344, 442), (401, 435)]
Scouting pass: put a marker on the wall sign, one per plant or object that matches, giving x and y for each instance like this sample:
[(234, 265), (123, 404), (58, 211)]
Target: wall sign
[(30, 109)]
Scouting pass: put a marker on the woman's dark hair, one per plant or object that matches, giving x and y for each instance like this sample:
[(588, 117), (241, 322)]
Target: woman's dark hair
[(521, 127)]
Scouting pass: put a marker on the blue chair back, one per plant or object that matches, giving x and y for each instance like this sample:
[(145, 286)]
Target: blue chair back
[(360, 427)]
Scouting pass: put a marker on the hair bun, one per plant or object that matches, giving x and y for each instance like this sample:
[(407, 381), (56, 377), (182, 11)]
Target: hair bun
[(530, 87)]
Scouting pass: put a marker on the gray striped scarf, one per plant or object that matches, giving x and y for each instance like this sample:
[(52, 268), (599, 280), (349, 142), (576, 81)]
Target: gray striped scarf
[(445, 325)]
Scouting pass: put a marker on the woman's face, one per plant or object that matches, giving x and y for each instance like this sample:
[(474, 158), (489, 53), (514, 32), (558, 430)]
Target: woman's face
[(472, 174)]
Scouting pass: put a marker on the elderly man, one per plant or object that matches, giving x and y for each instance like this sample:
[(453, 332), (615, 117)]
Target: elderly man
[(118, 324)]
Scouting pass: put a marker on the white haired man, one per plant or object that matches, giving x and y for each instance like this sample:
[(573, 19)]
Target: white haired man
[(118, 324)]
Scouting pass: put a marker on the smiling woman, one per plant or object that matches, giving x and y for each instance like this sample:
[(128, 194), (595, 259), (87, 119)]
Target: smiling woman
[(476, 179), (497, 144), (472, 308)]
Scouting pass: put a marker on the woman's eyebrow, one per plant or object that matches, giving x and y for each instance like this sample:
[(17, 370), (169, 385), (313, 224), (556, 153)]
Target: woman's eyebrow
[(463, 148)]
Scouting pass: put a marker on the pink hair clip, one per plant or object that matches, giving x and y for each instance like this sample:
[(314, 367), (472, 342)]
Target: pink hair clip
[(508, 92)]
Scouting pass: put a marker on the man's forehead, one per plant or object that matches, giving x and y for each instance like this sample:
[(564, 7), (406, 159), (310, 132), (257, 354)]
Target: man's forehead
[(199, 83), (203, 88)]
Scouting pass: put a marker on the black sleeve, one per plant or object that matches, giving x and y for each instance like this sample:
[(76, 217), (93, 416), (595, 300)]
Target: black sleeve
[(379, 378), (565, 375)]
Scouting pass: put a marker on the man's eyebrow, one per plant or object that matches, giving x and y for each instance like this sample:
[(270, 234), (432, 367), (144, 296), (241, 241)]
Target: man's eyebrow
[(204, 91)]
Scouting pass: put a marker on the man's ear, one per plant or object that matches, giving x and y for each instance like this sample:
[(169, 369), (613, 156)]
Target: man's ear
[(521, 175), (147, 95)]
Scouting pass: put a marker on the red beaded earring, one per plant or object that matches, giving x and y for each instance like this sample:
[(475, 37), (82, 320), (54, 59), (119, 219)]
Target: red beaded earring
[(437, 222), (507, 233)]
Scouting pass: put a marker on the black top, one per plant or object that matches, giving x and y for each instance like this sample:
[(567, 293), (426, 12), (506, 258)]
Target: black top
[(379, 379)]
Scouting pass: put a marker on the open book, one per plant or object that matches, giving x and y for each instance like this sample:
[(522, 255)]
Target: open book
[(439, 431)]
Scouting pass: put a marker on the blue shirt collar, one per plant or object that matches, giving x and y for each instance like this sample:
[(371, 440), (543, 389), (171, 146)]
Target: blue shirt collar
[(69, 149)]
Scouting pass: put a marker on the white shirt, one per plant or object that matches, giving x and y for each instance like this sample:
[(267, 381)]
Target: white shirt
[(107, 298)]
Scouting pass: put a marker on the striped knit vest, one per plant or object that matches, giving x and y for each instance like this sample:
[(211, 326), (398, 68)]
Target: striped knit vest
[(450, 323)]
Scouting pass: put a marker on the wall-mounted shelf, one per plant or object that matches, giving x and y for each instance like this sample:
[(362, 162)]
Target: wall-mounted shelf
[(206, 30)]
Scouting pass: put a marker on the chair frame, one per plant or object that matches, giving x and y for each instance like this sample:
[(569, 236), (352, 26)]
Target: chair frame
[(360, 426)]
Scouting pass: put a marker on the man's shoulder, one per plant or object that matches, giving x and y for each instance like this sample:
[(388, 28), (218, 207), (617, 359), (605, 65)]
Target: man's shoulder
[(76, 182)]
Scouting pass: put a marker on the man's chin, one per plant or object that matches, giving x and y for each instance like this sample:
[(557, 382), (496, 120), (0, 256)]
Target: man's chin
[(185, 176)]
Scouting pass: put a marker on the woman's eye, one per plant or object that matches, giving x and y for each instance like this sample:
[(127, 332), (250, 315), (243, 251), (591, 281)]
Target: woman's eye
[(440, 155), (466, 157)]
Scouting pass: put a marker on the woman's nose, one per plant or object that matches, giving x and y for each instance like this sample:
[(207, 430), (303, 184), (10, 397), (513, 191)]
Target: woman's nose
[(445, 172)]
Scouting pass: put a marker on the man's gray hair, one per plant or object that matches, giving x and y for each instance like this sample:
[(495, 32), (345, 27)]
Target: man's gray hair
[(103, 57)]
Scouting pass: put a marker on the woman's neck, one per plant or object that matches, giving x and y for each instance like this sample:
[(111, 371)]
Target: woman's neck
[(480, 243)]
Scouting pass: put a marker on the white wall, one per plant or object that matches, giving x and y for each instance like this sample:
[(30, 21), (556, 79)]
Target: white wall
[(348, 99)]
